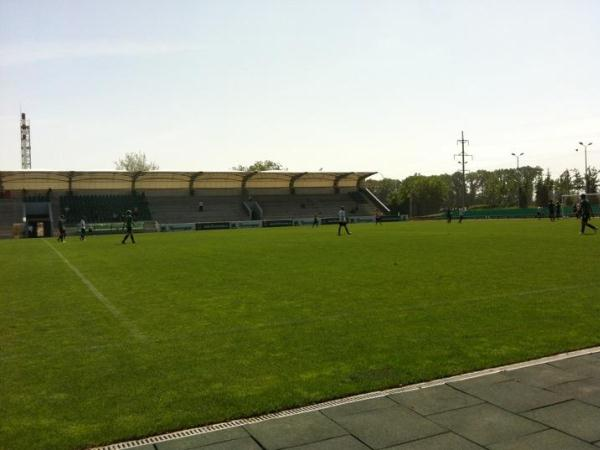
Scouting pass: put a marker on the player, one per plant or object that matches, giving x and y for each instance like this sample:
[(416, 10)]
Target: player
[(461, 214), (316, 220), (62, 231), (129, 226), (558, 210), (551, 211), (448, 215), (342, 221), (82, 229), (378, 217), (586, 214)]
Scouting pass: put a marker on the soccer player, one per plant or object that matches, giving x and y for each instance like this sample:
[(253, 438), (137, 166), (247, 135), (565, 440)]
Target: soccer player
[(342, 221), (586, 214), (82, 229), (551, 211), (448, 215), (315, 220), (558, 210), (461, 213), (129, 225), (378, 217), (62, 231)]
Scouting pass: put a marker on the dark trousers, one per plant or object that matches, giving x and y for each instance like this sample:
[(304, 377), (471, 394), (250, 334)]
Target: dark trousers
[(62, 234), (82, 234), (129, 234), (340, 225), (584, 223)]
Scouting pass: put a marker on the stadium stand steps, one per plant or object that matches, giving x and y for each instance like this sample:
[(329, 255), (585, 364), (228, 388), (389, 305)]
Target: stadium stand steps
[(300, 206), (11, 212), (102, 208), (188, 209)]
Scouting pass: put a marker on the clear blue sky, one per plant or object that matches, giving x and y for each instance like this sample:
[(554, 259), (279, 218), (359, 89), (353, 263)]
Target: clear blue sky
[(339, 85)]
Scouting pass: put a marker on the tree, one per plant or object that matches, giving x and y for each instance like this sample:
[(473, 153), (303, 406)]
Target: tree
[(564, 184), (592, 180), (135, 162), (578, 181), (385, 189), (260, 166)]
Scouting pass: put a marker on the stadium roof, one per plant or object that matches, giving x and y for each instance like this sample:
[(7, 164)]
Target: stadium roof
[(71, 180)]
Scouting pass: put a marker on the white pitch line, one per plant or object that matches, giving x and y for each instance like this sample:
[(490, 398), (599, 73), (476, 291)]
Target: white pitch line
[(133, 329)]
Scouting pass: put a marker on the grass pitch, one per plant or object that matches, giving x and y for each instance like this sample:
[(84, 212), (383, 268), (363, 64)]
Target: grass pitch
[(194, 328)]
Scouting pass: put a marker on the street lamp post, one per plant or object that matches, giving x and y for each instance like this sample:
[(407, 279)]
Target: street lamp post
[(517, 156), (518, 176), (585, 147)]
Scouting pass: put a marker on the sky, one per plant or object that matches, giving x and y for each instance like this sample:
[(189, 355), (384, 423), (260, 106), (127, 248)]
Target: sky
[(353, 85)]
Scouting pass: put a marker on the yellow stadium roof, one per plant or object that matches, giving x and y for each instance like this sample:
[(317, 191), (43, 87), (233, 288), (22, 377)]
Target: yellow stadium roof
[(70, 180)]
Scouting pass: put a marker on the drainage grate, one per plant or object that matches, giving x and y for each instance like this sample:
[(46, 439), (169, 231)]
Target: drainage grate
[(339, 402)]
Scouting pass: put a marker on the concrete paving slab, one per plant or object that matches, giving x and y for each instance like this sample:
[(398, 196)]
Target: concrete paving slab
[(486, 380), (573, 417), (294, 431), (390, 426), (200, 440), (515, 396), (341, 443), (486, 424), (358, 407), (543, 376), (435, 399), (144, 447), (237, 444), (587, 390), (446, 441), (545, 440), (584, 366)]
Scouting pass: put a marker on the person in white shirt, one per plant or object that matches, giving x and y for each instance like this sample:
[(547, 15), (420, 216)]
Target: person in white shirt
[(342, 221), (82, 229)]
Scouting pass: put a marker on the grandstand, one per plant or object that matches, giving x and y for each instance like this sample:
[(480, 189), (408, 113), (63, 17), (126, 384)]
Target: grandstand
[(34, 199)]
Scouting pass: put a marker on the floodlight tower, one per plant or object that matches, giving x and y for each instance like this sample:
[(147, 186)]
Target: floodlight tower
[(462, 154), (25, 143)]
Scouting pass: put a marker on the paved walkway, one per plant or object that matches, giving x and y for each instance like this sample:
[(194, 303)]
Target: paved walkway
[(549, 406)]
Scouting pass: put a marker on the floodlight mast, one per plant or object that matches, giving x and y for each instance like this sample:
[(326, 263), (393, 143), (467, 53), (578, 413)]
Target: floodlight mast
[(462, 162), (585, 147), (25, 143)]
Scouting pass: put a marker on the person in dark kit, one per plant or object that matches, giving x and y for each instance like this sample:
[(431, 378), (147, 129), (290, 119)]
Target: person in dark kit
[(551, 211), (342, 221), (586, 214), (62, 231), (129, 226), (538, 214), (82, 229), (315, 220), (378, 217), (448, 215), (558, 210)]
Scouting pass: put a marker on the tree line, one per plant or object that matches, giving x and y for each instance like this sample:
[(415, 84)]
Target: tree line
[(502, 188)]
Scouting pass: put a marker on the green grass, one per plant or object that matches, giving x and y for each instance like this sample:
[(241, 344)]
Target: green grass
[(239, 323)]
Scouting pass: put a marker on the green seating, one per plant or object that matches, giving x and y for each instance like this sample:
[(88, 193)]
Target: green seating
[(103, 208)]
